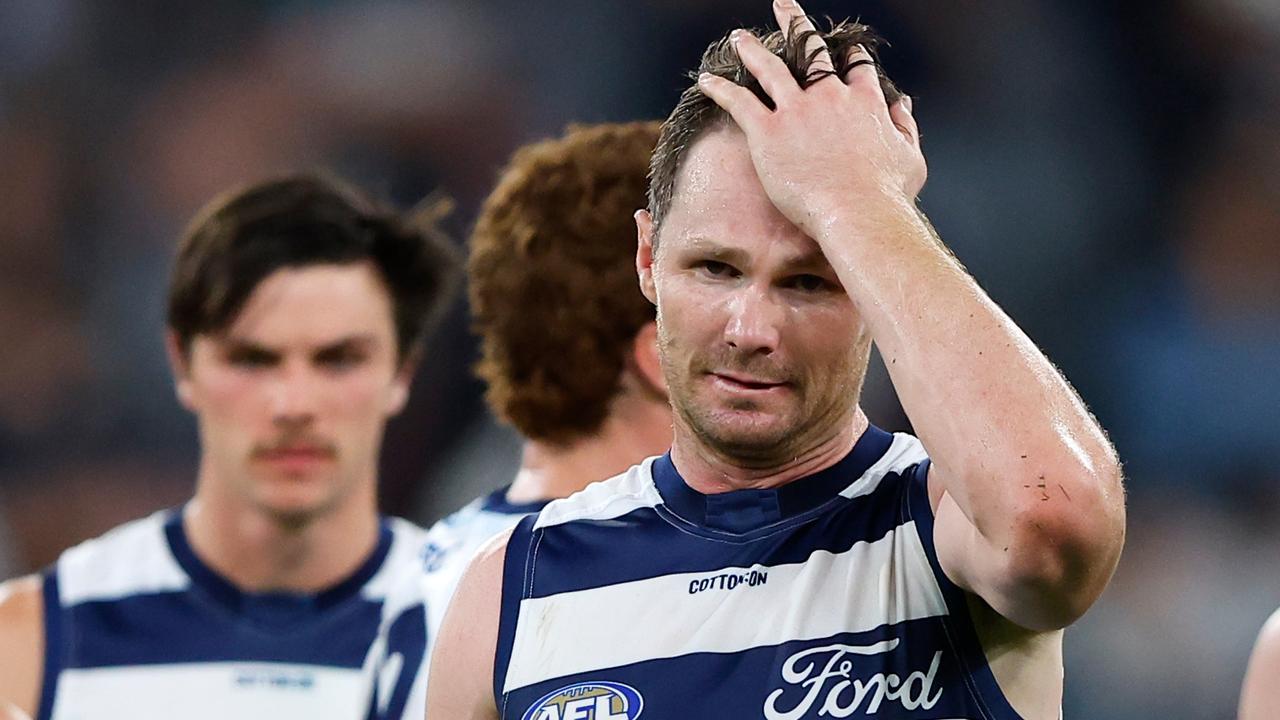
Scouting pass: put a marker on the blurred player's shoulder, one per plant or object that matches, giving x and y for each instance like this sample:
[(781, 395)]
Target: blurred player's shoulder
[(21, 643)]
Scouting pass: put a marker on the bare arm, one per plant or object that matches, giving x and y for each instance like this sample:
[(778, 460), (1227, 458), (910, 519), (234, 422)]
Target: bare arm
[(460, 686), (21, 645), (1260, 695), (9, 711), (1030, 508)]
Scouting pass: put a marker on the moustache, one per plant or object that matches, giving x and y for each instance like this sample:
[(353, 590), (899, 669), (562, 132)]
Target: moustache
[(294, 442)]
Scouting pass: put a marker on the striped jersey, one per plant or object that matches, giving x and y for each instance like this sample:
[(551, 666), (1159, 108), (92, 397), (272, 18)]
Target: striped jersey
[(417, 602), (821, 598), (137, 627)]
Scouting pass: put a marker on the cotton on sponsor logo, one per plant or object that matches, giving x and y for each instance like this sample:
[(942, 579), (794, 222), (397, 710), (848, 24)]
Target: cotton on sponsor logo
[(847, 694), (729, 581), (599, 700)]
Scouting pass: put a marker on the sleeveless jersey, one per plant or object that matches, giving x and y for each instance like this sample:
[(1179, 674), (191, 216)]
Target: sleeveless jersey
[(416, 605), (137, 627), (821, 598)]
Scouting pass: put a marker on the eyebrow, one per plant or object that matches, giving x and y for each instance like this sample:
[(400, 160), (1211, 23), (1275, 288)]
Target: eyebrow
[(350, 341), (814, 260)]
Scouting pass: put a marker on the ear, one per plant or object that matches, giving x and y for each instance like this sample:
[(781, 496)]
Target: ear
[(645, 362), (179, 363), (645, 254), (399, 393)]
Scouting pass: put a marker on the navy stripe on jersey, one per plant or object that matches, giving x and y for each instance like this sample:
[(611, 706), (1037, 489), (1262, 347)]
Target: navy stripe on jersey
[(958, 622), (515, 567), (741, 685), (169, 628), (53, 645), (753, 513), (496, 502), (584, 553), (278, 610)]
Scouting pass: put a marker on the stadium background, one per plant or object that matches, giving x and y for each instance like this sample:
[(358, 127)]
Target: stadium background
[(1110, 172)]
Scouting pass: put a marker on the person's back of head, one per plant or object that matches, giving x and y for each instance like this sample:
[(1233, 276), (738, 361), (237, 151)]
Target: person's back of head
[(553, 287)]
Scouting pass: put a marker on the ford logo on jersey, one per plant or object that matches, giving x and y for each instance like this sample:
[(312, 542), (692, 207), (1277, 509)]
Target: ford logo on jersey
[(600, 700)]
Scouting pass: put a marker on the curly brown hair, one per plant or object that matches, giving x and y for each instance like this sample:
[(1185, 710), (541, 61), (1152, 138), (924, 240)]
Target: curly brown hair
[(695, 113), (554, 294)]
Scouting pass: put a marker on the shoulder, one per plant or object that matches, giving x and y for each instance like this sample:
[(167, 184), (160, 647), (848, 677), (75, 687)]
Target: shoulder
[(132, 558), (606, 499), (21, 604), (21, 641), (1260, 693)]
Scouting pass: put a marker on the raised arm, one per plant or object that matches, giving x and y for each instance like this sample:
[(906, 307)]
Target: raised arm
[(1027, 489), (21, 645), (460, 685), (1260, 695)]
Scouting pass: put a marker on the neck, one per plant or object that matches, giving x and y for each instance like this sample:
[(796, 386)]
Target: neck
[(634, 429), (260, 552), (710, 472)]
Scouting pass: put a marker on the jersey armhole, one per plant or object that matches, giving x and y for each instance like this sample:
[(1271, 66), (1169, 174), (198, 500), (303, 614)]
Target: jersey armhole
[(958, 620), (53, 644), (516, 567)]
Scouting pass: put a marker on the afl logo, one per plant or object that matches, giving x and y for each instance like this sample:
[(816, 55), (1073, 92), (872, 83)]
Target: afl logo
[(588, 701)]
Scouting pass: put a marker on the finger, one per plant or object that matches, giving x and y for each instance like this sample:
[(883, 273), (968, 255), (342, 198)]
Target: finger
[(791, 19), (900, 114), (862, 71), (768, 69), (741, 104)]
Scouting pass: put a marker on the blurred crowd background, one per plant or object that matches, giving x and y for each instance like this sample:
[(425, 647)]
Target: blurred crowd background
[(1110, 172)]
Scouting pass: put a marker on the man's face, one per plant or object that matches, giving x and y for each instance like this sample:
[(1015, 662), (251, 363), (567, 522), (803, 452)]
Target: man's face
[(293, 397), (762, 348)]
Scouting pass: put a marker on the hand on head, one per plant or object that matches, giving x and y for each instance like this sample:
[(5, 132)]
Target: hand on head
[(826, 141)]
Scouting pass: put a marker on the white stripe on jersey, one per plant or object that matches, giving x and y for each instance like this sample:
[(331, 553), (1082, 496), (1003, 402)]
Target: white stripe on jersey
[(210, 691), (798, 601), (405, 552), (605, 500), (905, 451), (132, 559)]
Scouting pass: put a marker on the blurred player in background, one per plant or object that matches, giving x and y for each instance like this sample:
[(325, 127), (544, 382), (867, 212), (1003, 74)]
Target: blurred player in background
[(1260, 697), (296, 315), (787, 560), (569, 357)]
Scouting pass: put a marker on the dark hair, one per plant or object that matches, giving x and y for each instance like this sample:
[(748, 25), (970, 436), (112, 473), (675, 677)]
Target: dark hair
[(554, 293), (242, 237), (695, 113)]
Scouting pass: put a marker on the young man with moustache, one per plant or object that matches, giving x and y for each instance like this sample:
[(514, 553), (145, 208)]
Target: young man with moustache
[(297, 311), (786, 559), (569, 356)]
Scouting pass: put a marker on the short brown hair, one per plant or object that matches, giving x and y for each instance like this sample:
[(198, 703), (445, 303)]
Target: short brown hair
[(242, 237), (554, 293), (695, 113)]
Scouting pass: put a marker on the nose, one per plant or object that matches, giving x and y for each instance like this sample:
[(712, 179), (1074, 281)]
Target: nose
[(293, 397), (754, 321)]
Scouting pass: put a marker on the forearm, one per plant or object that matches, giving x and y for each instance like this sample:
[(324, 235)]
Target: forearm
[(1007, 433)]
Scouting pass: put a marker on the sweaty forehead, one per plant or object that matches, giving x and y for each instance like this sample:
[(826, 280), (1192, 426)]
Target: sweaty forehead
[(717, 193)]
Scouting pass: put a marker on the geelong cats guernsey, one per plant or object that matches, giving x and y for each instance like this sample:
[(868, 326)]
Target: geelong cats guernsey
[(640, 597), (416, 605), (138, 628)]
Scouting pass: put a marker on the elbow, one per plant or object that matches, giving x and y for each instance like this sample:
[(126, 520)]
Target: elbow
[(1063, 554)]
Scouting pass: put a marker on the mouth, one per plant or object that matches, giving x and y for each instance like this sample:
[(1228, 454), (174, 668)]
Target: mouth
[(745, 384), (295, 458)]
